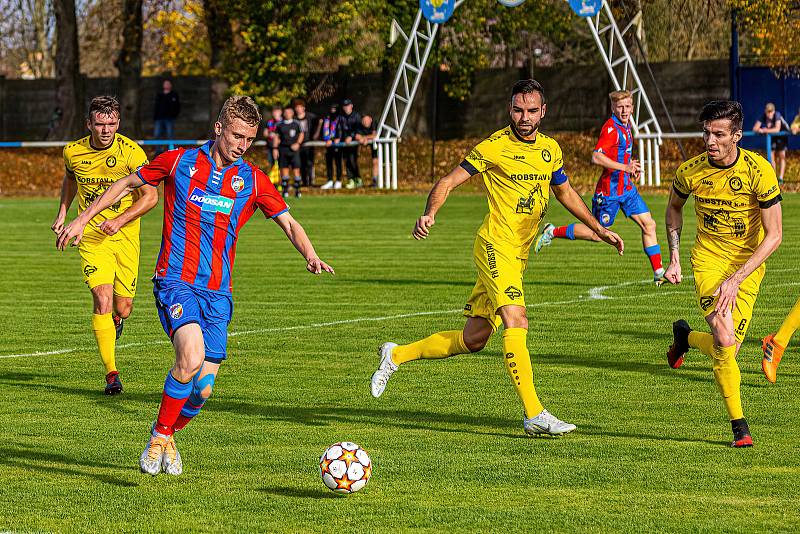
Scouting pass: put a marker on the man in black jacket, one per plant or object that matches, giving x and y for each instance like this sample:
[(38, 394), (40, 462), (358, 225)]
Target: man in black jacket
[(349, 124), (310, 127), (166, 110)]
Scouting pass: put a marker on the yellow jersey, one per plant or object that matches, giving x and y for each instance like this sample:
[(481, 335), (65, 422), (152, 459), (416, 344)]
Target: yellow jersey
[(517, 174), (95, 170), (728, 203)]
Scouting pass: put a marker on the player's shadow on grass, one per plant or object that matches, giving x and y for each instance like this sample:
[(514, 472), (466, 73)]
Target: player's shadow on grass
[(599, 431), (32, 459), (406, 419), (41, 383), (302, 493), (412, 282), (656, 369)]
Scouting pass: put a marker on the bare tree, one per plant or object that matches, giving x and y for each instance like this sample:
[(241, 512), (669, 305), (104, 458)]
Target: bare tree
[(129, 63), (69, 84)]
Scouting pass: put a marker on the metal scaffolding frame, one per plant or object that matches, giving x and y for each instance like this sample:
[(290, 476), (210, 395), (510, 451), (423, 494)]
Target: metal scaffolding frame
[(613, 50)]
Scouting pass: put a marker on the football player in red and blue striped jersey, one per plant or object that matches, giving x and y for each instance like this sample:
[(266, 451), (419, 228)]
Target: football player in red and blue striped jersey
[(616, 188), (210, 193)]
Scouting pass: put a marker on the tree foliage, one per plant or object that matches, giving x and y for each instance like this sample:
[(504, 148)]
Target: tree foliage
[(770, 29)]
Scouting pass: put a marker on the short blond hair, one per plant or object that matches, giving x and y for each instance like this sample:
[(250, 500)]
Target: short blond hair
[(240, 107), (616, 96), (770, 107)]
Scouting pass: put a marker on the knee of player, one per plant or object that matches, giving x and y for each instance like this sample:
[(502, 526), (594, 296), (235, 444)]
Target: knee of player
[(475, 343), (123, 309), (186, 370)]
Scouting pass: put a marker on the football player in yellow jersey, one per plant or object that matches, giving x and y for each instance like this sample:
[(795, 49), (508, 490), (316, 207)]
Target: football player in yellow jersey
[(519, 166), (737, 202), (110, 248)]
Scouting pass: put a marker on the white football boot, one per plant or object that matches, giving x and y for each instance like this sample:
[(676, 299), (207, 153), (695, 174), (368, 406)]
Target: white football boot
[(327, 185), (545, 238), (150, 460), (547, 424), (658, 276), (171, 462), (385, 369), (337, 185)]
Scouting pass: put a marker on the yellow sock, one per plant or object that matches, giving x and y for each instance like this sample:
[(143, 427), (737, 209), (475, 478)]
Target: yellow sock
[(702, 341), (518, 365), (729, 379), (439, 345), (106, 336), (789, 326)]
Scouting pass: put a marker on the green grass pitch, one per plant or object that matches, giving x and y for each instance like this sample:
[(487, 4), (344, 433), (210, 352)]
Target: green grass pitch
[(650, 453)]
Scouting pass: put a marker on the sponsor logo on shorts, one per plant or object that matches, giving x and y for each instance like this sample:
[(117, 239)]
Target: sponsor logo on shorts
[(605, 219), (491, 261), (237, 183), (735, 183), (513, 293), (706, 302), (176, 311), (519, 156), (210, 202), (546, 155), (111, 161), (89, 270), (742, 326), (468, 307)]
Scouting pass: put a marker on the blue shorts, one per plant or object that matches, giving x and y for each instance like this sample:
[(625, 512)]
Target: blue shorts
[(179, 304), (605, 208)]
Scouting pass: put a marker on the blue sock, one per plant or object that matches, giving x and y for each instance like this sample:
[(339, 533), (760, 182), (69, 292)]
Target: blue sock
[(571, 232)]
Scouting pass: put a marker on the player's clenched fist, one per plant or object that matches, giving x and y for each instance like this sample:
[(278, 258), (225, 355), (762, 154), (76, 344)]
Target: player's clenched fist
[(422, 227)]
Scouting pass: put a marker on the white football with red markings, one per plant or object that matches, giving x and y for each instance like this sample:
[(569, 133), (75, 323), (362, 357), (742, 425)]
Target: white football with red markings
[(345, 467)]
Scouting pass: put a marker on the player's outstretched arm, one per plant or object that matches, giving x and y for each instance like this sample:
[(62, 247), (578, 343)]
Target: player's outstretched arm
[(571, 200), (772, 221), (69, 187), (145, 199), (118, 189), (674, 219), (436, 198), (297, 235)]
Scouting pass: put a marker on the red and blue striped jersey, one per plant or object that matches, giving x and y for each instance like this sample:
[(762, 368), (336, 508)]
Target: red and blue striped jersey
[(616, 143), (204, 210)]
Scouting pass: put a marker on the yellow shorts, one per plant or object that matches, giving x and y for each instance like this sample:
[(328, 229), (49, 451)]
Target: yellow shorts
[(706, 282), (499, 281), (111, 262)]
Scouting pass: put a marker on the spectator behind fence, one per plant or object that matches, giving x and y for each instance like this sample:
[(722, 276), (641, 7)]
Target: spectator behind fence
[(333, 154), (795, 127), (290, 137), (166, 110), (271, 137), (772, 122), (349, 123), (310, 127), (365, 135)]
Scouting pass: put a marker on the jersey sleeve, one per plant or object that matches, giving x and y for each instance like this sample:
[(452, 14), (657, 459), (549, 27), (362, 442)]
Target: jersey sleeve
[(268, 200), (481, 158), (765, 184), (559, 176), (681, 185), (608, 142), (162, 166), (137, 158), (67, 160)]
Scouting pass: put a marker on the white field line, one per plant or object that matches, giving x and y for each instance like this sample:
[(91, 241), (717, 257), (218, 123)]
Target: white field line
[(595, 293)]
